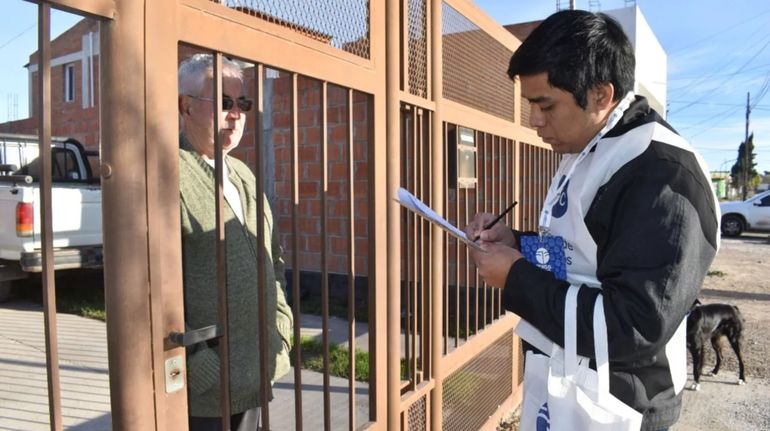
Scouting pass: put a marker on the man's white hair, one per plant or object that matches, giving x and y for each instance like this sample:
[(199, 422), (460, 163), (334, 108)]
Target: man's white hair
[(194, 71)]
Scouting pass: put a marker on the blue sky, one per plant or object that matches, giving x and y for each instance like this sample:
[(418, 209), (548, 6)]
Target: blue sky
[(717, 52)]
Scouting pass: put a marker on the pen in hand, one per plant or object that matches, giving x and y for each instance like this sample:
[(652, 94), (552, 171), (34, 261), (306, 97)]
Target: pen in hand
[(497, 219)]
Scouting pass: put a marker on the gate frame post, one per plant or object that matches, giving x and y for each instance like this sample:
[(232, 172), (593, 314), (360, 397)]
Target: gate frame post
[(140, 206)]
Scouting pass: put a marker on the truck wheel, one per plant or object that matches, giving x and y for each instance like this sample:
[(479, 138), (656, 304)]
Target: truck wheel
[(732, 225), (5, 290)]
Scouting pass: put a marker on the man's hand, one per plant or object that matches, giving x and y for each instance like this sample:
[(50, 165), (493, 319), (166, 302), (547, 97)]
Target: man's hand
[(499, 246), (494, 262), (499, 233)]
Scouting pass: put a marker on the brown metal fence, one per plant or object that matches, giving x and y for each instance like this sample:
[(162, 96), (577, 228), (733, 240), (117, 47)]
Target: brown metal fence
[(351, 104)]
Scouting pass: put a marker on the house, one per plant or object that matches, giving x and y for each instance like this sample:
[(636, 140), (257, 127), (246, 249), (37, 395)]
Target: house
[(74, 87)]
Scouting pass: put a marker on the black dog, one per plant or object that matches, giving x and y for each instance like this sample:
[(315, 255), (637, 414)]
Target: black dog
[(710, 322)]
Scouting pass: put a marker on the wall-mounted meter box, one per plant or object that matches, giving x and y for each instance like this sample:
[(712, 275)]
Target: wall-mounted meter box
[(461, 153)]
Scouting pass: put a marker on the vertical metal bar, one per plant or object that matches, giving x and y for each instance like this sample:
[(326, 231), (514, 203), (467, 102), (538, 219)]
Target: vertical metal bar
[(511, 181), (476, 135), (410, 227), (46, 215), (295, 273), (457, 250), (351, 267), (483, 162), (445, 184), (264, 379), (424, 242), (427, 310), (467, 267), (324, 251), (437, 242), (508, 179), (221, 254), (500, 205), (392, 33), (417, 245), (494, 204)]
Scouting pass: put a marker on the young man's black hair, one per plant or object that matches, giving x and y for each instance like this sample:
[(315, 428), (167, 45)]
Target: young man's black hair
[(578, 50)]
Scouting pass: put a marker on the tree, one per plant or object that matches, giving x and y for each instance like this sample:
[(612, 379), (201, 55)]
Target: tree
[(738, 171)]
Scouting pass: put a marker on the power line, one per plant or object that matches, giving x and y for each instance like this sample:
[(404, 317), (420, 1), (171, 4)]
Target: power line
[(762, 92), (8, 42), (724, 82), (721, 114), (763, 68), (714, 103), (721, 32), (687, 88)]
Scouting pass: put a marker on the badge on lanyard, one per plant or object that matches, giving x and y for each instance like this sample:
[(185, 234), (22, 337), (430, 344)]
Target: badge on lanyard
[(546, 252)]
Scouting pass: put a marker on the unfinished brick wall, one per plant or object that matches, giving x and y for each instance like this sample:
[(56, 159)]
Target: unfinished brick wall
[(309, 174), (68, 118)]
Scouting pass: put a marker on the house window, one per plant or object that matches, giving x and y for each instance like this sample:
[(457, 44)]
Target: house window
[(69, 82)]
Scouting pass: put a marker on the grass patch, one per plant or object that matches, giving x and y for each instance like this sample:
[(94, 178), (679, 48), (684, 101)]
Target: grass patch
[(339, 359), (81, 294), (715, 273)]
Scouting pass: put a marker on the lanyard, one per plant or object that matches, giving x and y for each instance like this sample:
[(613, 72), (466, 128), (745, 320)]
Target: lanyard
[(557, 186)]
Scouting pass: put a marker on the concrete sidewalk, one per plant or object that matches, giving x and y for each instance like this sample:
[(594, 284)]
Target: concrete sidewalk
[(85, 391), (85, 383)]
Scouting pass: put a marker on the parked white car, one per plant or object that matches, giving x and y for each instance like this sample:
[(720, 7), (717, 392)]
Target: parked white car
[(76, 201), (752, 214)]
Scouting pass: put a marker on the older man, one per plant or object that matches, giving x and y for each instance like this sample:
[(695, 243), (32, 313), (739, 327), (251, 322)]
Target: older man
[(196, 185)]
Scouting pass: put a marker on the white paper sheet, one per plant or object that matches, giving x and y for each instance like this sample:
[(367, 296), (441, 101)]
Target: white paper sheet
[(411, 202)]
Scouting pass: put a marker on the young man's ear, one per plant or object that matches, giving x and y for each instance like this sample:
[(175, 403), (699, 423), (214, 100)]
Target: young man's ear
[(604, 95)]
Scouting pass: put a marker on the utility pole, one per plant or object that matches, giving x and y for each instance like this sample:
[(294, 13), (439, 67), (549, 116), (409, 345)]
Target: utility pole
[(746, 156)]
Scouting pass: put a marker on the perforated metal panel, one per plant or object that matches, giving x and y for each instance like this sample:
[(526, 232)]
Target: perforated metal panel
[(418, 47), (343, 24), (472, 393), (416, 418), (475, 67)]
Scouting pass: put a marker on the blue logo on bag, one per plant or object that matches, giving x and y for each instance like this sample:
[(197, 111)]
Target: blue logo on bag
[(560, 207), (546, 253), (543, 422)]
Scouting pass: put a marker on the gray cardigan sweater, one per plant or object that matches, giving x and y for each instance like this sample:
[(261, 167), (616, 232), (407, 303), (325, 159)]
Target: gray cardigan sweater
[(200, 287)]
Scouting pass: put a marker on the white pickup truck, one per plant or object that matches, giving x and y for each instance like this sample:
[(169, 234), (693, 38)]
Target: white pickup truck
[(751, 214), (76, 209)]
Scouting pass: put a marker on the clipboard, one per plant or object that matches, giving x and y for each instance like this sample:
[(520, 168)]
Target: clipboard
[(410, 202)]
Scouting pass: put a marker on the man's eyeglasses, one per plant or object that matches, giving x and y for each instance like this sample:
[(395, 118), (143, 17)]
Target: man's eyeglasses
[(243, 103)]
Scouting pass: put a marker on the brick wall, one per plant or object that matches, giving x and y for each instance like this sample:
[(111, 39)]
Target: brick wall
[(310, 186), (68, 119)]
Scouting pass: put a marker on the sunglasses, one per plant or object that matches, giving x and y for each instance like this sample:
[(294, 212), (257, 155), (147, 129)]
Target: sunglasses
[(243, 103)]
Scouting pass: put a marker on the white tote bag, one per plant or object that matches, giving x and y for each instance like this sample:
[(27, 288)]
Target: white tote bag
[(562, 393)]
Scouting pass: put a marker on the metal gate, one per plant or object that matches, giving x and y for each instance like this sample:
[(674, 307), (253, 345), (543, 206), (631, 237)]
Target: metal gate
[(352, 103)]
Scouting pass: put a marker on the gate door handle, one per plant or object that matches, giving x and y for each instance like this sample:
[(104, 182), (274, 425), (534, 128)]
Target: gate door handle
[(209, 334)]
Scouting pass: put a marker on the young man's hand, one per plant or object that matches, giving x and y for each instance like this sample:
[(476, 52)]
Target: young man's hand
[(499, 233), (499, 249)]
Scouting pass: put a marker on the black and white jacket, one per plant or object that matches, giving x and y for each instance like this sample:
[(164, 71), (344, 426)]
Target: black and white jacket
[(640, 222)]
